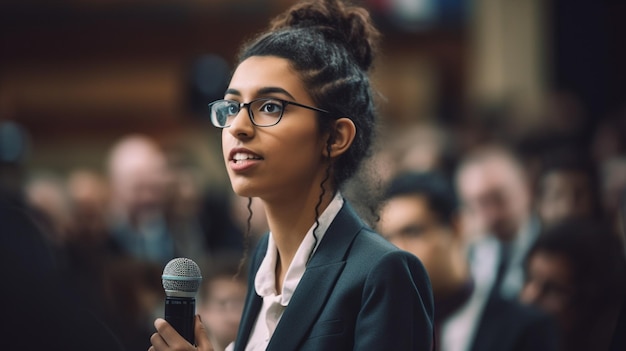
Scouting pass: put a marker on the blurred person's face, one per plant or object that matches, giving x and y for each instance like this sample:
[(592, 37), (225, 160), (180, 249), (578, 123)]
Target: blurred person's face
[(407, 222), (565, 194), (613, 183), (222, 309), (495, 196), (186, 193), (139, 179), (549, 286), (89, 195), (50, 197), (146, 193), (142, 190)]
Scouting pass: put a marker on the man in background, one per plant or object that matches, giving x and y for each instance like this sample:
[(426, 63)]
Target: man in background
[(421, 215), (496, 196), (138, 178), (575, 272), (222, 296)]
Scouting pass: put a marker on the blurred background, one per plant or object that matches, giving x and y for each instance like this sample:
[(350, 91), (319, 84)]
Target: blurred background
[(79, 74), (104, 131)]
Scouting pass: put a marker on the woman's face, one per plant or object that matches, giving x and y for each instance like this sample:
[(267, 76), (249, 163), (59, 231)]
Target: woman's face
[(282, 160)]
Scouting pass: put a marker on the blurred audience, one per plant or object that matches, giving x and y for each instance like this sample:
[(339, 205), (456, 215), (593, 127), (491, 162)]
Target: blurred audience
[(199, 207), (221, 298), (88, 194), (14, 150), (132, 297), (421, 147), (613, 179), (575, 271), (497, 201), (42, 307), (183, 209), (421, 215), (567, 187), (89, 248), (609, 139), (47, 194), (138, 178), (555, 186)]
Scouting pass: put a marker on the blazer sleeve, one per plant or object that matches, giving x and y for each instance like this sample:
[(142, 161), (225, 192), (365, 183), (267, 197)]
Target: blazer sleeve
[(397, 306)]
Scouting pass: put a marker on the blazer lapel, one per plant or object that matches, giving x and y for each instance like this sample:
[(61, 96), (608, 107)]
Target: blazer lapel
[(317, 282)]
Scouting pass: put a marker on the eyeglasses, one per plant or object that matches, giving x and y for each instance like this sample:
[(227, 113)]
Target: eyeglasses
[(264, 112)]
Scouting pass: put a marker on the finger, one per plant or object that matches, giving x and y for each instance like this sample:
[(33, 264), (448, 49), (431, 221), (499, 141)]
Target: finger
[(167, 332), (202, 337), (157, 343)]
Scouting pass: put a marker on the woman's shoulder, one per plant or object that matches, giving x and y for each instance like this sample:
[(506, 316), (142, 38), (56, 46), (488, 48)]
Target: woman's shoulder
[(371, 254), (371, 242), (379, 265), (366, 244)]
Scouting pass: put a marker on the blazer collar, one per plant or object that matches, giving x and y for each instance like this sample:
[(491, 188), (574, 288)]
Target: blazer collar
[(313, 290), (317, 282)]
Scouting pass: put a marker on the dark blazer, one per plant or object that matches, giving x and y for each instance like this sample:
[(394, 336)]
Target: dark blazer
[(358, 292), (509, 325)]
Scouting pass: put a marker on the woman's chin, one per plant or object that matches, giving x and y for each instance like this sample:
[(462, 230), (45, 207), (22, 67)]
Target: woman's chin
[(243, 189)]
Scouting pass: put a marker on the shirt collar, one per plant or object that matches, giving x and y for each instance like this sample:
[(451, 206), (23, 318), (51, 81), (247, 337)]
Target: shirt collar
[(264, 282)]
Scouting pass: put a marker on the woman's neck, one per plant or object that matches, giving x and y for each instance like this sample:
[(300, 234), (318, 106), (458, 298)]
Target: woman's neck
[(289, 221)]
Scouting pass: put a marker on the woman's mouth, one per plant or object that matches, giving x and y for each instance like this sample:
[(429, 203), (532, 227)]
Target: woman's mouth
[(241, 157), (242, 160)]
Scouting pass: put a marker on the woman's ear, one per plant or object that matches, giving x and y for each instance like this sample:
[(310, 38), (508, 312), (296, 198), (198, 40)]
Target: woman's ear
[(342, 137)]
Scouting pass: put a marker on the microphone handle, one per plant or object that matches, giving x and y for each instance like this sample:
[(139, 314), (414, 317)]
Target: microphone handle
[(179, 312)]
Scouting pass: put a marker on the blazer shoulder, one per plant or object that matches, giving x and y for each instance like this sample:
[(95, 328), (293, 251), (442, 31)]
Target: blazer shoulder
[(377, 259), (373, 247)]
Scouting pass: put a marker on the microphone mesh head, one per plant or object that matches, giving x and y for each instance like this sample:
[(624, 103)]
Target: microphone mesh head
[(181, 276)]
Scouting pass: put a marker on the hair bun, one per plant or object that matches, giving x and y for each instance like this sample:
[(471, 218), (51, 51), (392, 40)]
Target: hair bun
[(350, 26)]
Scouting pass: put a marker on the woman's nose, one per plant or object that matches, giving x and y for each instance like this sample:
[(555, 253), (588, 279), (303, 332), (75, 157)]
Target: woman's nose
[(241, 125)]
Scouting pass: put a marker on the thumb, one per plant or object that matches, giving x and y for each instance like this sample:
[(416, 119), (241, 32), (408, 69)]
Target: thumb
[(202, 337)]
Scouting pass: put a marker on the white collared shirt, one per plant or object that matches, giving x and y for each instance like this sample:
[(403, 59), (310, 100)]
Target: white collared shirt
[(485, 258), (265, 281)]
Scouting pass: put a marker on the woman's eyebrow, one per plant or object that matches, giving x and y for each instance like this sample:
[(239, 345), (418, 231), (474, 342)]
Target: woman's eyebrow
[(273, 90), (262, 91), (232, 92)]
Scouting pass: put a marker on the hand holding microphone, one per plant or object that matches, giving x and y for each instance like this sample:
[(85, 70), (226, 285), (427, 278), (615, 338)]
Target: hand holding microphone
[(181, 280)]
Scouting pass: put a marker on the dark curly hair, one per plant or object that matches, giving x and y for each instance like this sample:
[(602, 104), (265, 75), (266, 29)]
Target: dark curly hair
[(331, 46)]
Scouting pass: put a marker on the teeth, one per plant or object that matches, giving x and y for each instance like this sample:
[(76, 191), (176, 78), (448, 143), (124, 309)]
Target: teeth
[(242, 156)]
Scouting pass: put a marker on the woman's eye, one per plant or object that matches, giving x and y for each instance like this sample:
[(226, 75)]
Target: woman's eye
[(232, 109), (271, 107)]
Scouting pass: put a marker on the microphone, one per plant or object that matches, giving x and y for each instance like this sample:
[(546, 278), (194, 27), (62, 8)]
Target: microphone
[(181, 280)]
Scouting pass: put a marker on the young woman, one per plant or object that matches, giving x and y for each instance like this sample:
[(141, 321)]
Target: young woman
[(297, 119)]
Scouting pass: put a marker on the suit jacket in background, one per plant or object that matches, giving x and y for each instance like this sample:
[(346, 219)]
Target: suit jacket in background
[(509, 325), (359, 292)]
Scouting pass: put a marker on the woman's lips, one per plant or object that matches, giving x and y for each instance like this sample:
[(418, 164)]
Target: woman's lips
[(242, 159)]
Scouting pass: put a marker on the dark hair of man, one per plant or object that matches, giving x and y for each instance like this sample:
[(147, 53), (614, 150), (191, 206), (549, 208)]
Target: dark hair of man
[(592, 249), (434, 187)]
